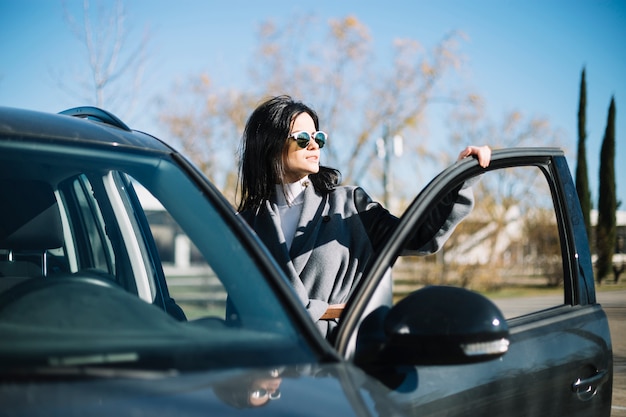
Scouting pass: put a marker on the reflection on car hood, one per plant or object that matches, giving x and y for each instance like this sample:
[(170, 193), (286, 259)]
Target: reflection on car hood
[(302, 390)]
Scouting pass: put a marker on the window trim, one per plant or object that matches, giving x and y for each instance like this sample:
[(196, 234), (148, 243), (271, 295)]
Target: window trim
[(129, 235)]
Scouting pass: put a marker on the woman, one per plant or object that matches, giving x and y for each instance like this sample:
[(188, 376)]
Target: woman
[(321, 234)]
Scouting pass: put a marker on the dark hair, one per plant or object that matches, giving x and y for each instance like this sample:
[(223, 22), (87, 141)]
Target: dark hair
[(264, 138)]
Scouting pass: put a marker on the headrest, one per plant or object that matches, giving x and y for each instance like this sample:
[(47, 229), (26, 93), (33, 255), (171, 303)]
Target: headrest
[(29, 216)]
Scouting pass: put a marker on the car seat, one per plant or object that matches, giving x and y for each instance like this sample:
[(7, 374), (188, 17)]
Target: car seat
[(30, 225)]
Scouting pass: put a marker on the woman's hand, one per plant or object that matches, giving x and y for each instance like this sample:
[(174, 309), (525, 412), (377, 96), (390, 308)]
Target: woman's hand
[(482, 153)]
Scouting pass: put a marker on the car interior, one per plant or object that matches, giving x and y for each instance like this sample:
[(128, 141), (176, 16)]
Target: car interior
[(30, 227)]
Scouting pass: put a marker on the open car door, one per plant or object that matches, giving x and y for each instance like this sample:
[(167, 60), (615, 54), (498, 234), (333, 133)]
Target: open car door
[(503, 320)]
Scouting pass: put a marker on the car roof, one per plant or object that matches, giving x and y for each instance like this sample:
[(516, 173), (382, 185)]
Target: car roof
[(81, 125)]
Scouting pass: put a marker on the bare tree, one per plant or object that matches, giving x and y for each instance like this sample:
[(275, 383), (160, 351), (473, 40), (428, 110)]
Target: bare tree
[(334, 69), (206, 122), (502, 200), (360, 98), (115, 62)]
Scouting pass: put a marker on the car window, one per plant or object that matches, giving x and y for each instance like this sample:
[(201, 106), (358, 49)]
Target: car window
[(87, 260), (93, 247), (508, 248), (98, 233), (191, 281)]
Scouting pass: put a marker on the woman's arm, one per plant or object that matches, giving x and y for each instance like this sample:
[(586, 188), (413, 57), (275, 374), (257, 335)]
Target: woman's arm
[(441, 221), (431, 235)]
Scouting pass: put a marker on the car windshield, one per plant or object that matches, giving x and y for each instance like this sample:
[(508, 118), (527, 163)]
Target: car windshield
[(113, 257)]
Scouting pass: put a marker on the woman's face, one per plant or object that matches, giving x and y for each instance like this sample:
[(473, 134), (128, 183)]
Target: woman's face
[(300, 162)]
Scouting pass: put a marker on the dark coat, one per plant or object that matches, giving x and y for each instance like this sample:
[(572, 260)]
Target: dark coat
[(335, 237)]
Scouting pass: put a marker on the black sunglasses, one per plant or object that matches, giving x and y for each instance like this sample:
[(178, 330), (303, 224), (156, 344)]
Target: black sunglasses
[(303, 138), (262, 393)]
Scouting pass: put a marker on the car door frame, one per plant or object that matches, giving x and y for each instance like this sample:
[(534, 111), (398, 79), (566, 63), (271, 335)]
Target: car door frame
[(579, 289)]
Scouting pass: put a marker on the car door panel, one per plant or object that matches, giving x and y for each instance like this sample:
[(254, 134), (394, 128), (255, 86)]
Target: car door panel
[(559, 360), (522, 382)]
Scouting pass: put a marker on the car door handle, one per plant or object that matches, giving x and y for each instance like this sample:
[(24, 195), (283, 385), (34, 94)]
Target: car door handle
[(588, 387)]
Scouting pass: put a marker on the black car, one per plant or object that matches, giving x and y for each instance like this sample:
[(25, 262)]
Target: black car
[(129, 286)]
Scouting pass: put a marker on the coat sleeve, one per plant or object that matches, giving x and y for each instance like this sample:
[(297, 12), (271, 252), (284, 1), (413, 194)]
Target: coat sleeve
[(431, 234)]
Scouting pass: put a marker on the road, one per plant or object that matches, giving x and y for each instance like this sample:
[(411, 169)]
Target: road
[(614, 303)]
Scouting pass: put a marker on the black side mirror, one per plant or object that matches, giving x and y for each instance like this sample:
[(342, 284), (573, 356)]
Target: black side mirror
[(435, 325), (445, 325)]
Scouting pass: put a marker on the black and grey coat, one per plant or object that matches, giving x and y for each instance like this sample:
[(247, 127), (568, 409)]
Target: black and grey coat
[(335, 237)]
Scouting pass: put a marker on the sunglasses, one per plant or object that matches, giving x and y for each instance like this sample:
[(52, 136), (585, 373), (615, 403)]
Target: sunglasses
[(262, 393), (303, 138)]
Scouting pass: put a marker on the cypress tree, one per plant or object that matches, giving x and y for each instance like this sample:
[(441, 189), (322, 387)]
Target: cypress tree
[(582, 182), (607, 201)]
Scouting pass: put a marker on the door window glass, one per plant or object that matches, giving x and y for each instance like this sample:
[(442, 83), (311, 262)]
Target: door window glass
[(508, 248), (191, 281), (92, 245)]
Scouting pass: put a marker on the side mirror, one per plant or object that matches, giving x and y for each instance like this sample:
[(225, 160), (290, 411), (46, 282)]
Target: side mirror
[(445, 325), (436, 325)]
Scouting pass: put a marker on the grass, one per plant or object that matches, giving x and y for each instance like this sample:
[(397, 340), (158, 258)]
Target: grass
[(532, 290), (522, 291), (611, 286)]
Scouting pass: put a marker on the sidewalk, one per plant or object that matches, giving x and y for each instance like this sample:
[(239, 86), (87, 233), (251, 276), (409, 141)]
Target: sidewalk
[(614, 303)]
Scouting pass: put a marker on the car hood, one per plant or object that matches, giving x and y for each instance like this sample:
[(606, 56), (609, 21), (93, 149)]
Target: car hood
[(337, 389)]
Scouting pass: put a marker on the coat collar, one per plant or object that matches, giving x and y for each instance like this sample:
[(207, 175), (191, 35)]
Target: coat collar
[(305, 239), (267, 226)]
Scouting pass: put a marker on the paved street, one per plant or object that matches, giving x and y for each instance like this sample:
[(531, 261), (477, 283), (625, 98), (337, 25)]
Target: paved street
[(614, 303)]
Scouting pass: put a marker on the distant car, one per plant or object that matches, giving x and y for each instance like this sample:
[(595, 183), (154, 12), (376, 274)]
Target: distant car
[(129, 286)]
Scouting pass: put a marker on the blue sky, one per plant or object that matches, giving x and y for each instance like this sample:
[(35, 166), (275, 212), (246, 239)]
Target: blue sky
[(524, 55)]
